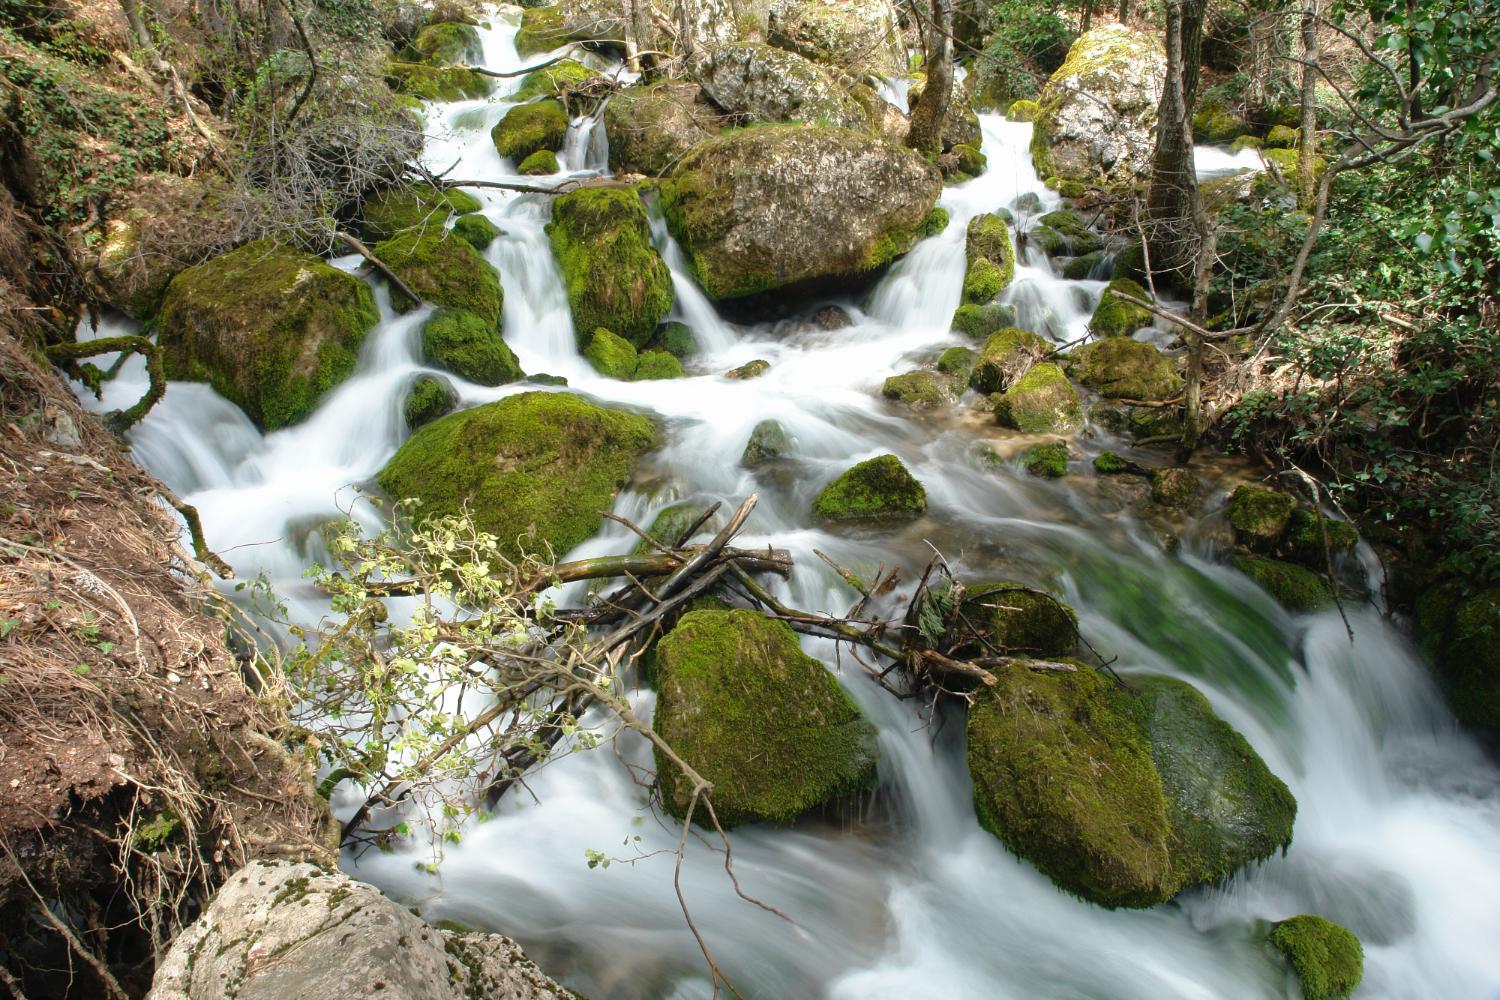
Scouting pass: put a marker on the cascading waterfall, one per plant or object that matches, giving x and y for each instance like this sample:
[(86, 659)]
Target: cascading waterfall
[(1398, 833)]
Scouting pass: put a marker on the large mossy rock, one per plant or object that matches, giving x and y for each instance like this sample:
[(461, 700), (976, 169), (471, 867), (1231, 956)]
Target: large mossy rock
[(1462, 634), (1005, 357), (470, 347), (921, 389), (1041, 401), (1117, 317), (1019, 620), (991, 259), (530, 128), (764, 722), (550, 81), (1259, 516), (767, 84), (412, 207), (546, 28), (444, 271), (614, 276), (436, 83), (1123, 796), (548, 463), (1294, 587), (862, 37), (1328, 959), (1095, 122), (446, 43), (1122, 368), (780, 206), (270, 328), (877, 489), (651, 127), (430, 397)]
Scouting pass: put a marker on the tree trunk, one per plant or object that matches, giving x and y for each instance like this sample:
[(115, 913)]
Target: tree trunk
[(1265, 31), (930, 114), (1173, 206), (1124, 11), (1307, 148), (1088, 14)]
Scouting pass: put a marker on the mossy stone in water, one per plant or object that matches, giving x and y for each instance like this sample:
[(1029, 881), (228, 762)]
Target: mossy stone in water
[(1462, 634), (412, 207), (1020, 620), (612, 356), (957, 362), (430, 397), (668, 525), (920, 389), (655, 365), (1023, 110), (1304, 538), (527, 128), (614, 276), (1005, 357), (1295, 588), (749, 370), (542, 30), (1259, 516), (538, 462), (676, 339), (1041, 401), (538, 164), (971, 162), (475, 230), (1083, 267), (763, 721), (1328, 959), (470, 347), (445, 271), (768, 440), (978, 322), (992, 260), (1174, 487), (1114, 317), (436, 83), (1046, 461), (1121, 368), (877, 489), (448, 42), (1282, 137), (270, 328), (549, 81)]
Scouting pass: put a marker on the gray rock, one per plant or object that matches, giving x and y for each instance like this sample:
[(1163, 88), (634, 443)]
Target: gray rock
[(651, 127), (771, 85), (860, 36), (294, 931)]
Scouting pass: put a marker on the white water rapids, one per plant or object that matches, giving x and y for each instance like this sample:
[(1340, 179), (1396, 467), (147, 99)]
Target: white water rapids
[(1398, 831)]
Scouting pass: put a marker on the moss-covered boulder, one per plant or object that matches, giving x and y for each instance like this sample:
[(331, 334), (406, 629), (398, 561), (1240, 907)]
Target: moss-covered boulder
[(675, 338), (1283, 164), (764, 722), (475, 230), (1213, 123), (1005, 357), (430, 397), (1259, 516), (1086, 266), (447, 42), (542, 30), (614, 276), (535, 469), (991, 259), (651, 127), (779, 206), (1328, 959), (270, 328), (412, 207), (1186, 800), (957, 363), (1024, 110), (436, 83), (1175, 487), (978, 322), (1294, 587), (529, 128), (1046, 461), (767, 84), (538, 164), (768, 440), (1019, 620), (1462, 635), (655, 365), (862, 37), (444, 271), (470, 347), (1095, 121), (1311, 538), (1121, 368), (1114, 316), (611, 355), (878, 489), (1282, 137), (550, 81), (920, 389), (1040, 401), (749, 370)]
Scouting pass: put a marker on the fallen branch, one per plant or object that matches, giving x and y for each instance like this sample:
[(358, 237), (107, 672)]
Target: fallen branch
[(67, 356), (380, 266)]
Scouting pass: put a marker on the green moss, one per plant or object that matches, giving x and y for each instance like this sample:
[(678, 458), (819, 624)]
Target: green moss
[(1024, 110), (657, 365), (992, 260), (1084, 267), (1304, 538), (936, 221), (1328, 960), (1216, 125), (1294, 588), (1107, 463), (449, 42), (668, 526), (768, 440), (1282, 137), (1114, 317), (540, 163), (541, 462), (877, 489), (757, 717), (413, 207), (920, 389), (1285, 162), (957, 362), (614, 276), (1245, 142), (971, 162), (1006, 356), (1121, 368), (1154, 423), (436, 83), (527, 128), (444, 271), (549, 81), (1469, 660), (1047, 461), (749, 370), (978, 322), (542, 30), (470, 347), (1259, 516), (1019, 620), (1174, 487), (154, 833), (1041, 401), (475, 230), (430, 397), (271, 329), (611, 355), (676, 339)]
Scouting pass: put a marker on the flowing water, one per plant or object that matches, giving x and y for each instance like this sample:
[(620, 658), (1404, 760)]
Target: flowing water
[(1398, 833)]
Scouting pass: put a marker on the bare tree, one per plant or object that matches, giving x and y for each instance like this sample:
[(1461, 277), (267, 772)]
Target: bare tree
[(1307, 147), (1173, 206), (930, 114)]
